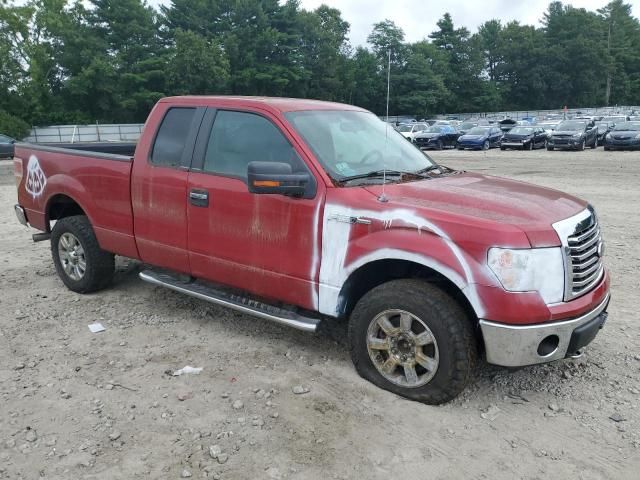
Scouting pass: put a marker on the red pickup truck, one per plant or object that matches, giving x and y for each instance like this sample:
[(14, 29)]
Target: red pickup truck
[(298, 211)]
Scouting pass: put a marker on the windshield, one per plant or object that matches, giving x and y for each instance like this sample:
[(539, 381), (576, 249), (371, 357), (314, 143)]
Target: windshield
[(615, 119), (521, 130), (478, 131), (405, 128), (467, 126), (628, 126), (351, 143), (435, 129), (571, 125)]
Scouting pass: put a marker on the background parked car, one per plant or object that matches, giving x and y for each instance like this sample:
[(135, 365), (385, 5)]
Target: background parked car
[(507, 124), (437, 137), (603, 128), (524, 138), (6, 146), (464, 127), (409, 130), (573, 135), (480, 138), (548, 126), (615, 119), (624, 136)]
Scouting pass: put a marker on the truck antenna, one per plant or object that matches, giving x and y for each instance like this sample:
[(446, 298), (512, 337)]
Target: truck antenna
[(383, 198)]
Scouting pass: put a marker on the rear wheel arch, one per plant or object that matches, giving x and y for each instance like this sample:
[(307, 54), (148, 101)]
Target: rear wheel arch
[(60, 206)]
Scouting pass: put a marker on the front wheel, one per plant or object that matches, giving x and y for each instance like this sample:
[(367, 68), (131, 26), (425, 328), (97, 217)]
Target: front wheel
[(80, 262), (486, 145), (581, 146), (595, 143), (413, 339)]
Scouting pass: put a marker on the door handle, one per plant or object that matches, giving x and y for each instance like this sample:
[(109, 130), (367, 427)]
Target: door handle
[(199, 198)]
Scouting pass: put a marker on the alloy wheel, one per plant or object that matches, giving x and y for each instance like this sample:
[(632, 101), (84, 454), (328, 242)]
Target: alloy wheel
[(402, 348), (72, 256)]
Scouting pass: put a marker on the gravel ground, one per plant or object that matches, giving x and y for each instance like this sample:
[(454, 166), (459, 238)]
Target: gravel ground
[(77, 405)]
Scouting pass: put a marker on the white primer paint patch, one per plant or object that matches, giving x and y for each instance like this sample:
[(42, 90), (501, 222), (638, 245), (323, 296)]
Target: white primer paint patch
[(36, 179), (335, 245)]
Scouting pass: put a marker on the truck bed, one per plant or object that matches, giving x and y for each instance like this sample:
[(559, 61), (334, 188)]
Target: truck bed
[(54, 177)]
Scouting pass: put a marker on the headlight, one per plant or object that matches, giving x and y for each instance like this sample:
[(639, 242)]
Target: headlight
[(577, 135), (638, 137), (608, 135), (526, 270)]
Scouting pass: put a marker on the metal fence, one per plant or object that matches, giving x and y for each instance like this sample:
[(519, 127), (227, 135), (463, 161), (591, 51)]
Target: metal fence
[(86, 133)]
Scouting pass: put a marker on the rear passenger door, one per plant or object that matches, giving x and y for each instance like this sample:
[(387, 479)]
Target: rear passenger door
[(159, 186), (264, 244)]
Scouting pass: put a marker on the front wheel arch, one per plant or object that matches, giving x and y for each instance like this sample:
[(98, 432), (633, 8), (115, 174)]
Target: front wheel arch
[(377, 272)]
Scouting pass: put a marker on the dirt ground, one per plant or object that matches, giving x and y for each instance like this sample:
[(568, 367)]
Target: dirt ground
[(78, 405)]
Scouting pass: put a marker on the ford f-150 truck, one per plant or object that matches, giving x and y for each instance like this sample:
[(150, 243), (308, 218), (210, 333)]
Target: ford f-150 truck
[(300, 211)]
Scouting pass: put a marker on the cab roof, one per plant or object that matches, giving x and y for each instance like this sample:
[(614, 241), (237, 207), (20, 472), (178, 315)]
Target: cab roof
[(270, 103)]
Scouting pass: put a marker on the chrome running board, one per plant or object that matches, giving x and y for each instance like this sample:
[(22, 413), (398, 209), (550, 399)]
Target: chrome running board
[(246, 305)]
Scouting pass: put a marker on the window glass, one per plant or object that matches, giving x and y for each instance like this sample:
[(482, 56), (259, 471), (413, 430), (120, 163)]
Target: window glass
[(172, 137), (238, 138)]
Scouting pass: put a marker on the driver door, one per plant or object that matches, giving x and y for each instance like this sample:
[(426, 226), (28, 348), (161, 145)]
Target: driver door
[(260, 243)]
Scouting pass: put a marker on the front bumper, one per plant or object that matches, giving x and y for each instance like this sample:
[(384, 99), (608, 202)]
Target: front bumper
[(519, 345), (622, 146), (513, 144), (21, 214), (568, 144), (470, 145)]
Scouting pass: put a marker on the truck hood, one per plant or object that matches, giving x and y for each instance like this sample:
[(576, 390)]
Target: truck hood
[(530, 208)]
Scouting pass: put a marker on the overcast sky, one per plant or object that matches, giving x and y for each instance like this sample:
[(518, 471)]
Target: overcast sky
[(418, 17)]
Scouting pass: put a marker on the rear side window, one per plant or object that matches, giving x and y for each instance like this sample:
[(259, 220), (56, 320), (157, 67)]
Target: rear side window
[(172, 137), (238, 138)]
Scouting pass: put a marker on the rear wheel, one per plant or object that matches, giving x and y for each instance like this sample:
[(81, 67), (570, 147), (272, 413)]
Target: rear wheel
[(80, 262), (486, 145), (440, 145), (413, 339), (503, 148), (595, 143)]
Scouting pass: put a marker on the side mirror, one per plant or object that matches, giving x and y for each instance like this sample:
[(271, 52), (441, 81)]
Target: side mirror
[(277, 178)]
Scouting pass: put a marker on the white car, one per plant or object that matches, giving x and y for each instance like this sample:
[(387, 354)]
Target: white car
[(410, 130)]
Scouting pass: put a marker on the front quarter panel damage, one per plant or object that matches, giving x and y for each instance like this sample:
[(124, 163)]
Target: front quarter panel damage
[(353, 237)]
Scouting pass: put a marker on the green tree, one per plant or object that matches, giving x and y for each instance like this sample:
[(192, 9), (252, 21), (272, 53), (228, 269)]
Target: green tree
[(622, 60), (463, 67), (575, 57), (196, 65)]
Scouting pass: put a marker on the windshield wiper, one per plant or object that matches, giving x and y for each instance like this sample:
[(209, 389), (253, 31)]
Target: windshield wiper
[(382, 173)]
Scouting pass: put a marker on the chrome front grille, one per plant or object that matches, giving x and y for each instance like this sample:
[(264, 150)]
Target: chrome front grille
[(583, 248)]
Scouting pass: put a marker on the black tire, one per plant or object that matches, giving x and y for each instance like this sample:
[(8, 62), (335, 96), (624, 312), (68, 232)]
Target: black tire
[(530, 147), (581, 146), (100, 265), (440, 145), (503, 148), (486, 145), (550, 149), (595, 143), (448, 323), (606, 149)]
